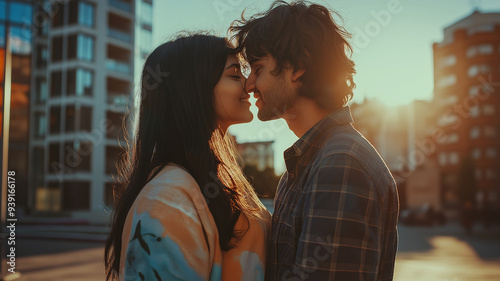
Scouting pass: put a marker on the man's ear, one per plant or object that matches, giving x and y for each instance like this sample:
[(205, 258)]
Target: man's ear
[(297, 74)]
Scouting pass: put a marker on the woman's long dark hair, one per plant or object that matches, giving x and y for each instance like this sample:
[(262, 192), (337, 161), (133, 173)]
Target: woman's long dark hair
[(177, 124)]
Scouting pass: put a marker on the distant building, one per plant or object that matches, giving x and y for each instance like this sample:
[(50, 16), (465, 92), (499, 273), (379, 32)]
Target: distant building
[(400, 135), (423, 186), (397, 133), (467, 93), (257, 154)]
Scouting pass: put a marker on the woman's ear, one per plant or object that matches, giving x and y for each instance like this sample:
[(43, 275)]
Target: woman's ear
[(297, 74)]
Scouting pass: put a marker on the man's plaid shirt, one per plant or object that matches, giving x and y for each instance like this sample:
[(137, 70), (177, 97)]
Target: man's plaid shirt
[(335, 210)]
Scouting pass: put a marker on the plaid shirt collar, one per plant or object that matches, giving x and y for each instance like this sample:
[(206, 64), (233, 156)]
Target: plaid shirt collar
[(336, 118)]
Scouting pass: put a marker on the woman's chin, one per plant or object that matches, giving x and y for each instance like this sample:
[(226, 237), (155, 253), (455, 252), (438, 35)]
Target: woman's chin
[(244, 119)]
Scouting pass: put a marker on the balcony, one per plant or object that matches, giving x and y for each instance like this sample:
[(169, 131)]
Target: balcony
[(122, 5), (117, 100), (120, 27), (118, 66), (118, 59), (120, 35)]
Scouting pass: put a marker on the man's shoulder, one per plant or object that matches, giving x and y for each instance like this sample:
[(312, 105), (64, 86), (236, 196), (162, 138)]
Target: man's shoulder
[(347, 141)]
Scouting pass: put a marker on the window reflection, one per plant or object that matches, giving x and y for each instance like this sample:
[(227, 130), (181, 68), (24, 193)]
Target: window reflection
[(40, 124), (20, 13), (81, 47), (147, 13), (79, 82), (55, 84), (3, 7), (86, 14)]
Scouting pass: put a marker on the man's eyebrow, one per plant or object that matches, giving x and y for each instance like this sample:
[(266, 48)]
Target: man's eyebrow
[(233, 65), (256, 61)]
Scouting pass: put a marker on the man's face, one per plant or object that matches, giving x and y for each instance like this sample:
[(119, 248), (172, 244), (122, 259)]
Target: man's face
[(274, 94)]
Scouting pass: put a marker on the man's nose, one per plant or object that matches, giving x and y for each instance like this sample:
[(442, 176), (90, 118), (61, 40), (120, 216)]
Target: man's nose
[(250, 84)]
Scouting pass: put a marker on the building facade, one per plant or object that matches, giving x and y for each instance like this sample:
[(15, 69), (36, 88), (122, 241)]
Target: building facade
[(86, 53), (467, 92), (16, 19)]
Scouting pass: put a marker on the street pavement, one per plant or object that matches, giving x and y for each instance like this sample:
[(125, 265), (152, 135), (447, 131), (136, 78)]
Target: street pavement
[(441, 253)]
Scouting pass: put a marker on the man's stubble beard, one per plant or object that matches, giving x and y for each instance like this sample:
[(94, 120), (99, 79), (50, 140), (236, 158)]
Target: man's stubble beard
[(279, 99)]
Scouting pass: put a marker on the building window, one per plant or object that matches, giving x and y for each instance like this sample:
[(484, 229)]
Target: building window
[(442, 159), (86, 14), (79, 82), (55, 120), (474, 90), (20, 13), (489, 109), (3, 8), (474, 133), (478, 174), (77, 156), (55, 84), (474, 111), (81, 13), (454, 158), (491, 152), (41, 90), (447, 61), (475, 70), (2, 36), (147, 13), (40, 124), (452, 138), (115, 120), (146, 41), (490, 174), (481, 28), (58, 14), (447, 81), (78, 118), (21, 38), (113, 153), (85, 118), (76, 196), (85, 47), (54, 152), (490, 132), (81, 47), (476, 153), (42, 56), (57, 49), (39, 163), (70, 119), (483, 49)]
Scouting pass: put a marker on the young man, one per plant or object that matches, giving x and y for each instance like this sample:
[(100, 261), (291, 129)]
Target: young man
[(336, 206)]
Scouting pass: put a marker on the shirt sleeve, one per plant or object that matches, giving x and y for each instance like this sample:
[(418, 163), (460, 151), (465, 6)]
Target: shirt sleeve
[(340, 238), (168, 242)]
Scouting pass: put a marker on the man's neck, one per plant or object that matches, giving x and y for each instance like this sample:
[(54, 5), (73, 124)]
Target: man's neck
[(303, 116)]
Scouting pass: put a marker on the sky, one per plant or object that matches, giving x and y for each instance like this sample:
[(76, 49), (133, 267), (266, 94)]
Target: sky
[(392, 42)]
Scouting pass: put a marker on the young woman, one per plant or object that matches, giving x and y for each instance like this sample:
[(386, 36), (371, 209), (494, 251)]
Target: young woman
[(184, 210)]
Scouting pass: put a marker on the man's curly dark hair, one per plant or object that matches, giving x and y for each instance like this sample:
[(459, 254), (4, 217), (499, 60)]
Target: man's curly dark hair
[(301, 35)]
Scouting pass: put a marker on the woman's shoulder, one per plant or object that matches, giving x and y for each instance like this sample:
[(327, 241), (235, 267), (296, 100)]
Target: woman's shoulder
[(172, 186)]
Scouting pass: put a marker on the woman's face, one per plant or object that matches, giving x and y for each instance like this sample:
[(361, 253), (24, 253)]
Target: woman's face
[(231, 100)]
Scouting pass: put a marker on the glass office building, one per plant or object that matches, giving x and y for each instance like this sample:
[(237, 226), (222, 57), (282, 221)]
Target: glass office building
[(82, 72)]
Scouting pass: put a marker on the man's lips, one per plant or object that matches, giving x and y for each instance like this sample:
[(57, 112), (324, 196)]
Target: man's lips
[(245, 98)]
